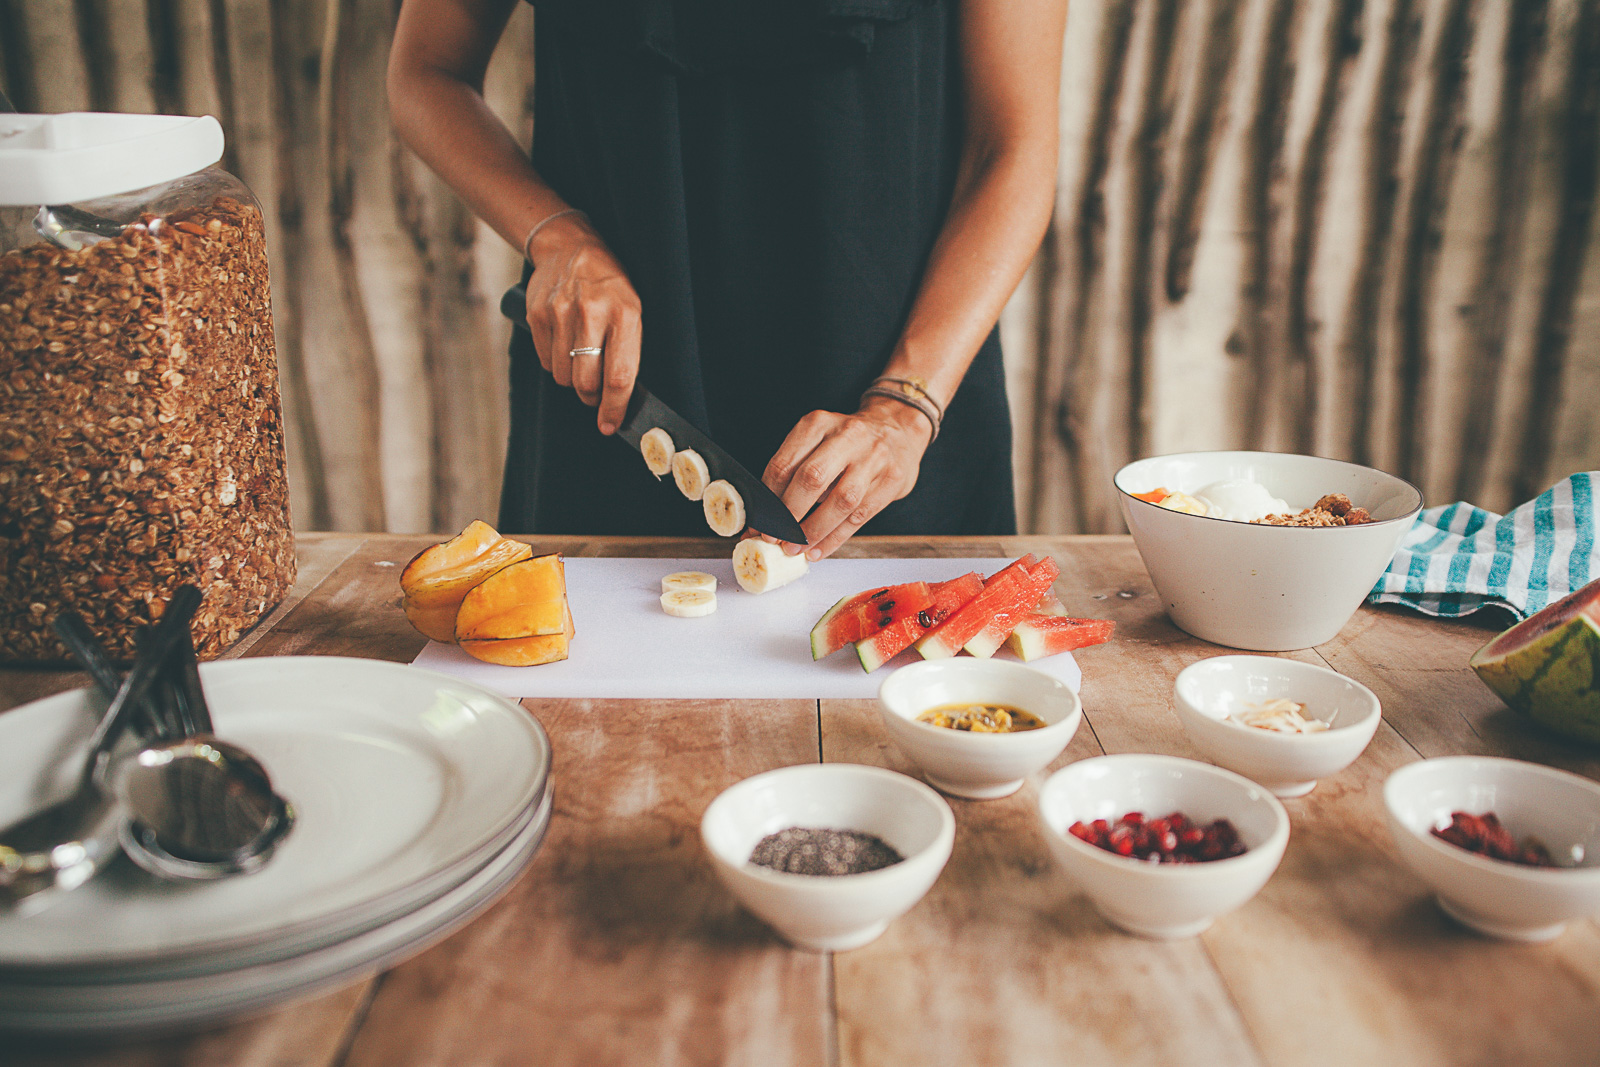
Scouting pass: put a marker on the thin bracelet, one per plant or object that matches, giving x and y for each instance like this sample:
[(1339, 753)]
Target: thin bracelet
[(910, 386), (528, 240), (923, 404)]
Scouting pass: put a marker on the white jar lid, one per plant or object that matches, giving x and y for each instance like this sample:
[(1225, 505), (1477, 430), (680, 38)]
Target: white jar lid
[(83, 155)]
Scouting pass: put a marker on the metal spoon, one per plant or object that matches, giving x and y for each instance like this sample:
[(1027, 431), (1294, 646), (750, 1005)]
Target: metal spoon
[(198, 806), (63, 844)]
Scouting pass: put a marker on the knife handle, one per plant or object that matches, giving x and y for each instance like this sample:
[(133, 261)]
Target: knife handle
[(514, 306)]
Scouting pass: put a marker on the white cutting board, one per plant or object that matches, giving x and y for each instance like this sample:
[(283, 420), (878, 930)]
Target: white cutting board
[(753, 646)]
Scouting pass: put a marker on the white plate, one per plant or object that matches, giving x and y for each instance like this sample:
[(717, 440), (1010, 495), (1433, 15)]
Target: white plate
[(295, 942), (398, 775), (158, 1006)]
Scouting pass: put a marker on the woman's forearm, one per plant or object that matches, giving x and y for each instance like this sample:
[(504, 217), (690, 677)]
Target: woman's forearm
[(993, 229), (582, 310), (1004, 192), (436, 71)]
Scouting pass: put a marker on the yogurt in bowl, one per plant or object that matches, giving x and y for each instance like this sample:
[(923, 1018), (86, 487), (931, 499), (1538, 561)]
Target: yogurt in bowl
[(1240, 500)]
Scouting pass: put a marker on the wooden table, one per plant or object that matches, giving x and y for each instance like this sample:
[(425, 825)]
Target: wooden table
[(619, 946)]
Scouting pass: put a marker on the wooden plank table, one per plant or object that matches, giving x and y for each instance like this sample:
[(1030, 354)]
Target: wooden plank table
[(619, 946)]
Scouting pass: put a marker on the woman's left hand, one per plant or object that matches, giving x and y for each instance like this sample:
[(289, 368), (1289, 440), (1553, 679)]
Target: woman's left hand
[(855, 465)]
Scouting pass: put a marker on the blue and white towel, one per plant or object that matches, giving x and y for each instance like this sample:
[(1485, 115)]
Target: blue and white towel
[(1458, 558)]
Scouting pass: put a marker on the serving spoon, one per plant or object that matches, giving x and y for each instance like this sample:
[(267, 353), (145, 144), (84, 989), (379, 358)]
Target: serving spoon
[(63, 844), (198, 807)]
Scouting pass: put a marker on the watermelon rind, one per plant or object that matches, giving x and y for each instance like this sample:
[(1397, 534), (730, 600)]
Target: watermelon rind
[(826, 637), (1554, 678), (819, 632)]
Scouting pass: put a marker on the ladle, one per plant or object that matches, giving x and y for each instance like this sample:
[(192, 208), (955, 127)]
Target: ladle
[(64, 843)]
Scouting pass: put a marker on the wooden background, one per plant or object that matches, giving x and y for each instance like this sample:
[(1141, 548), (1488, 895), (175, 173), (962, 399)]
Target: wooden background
[(1359, 228)]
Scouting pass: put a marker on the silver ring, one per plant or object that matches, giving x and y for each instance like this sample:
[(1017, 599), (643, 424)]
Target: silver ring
[(592, 351)]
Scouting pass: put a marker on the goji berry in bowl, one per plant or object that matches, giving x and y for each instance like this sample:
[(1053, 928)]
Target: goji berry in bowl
[(1212, 696), (1162, 899), (1558, 810)]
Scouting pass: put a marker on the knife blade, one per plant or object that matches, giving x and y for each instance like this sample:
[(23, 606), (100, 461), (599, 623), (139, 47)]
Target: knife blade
[(763, 509)]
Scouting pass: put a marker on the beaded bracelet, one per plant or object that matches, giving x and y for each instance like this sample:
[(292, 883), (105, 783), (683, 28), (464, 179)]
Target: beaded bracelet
[(528, 240), (921, 401)]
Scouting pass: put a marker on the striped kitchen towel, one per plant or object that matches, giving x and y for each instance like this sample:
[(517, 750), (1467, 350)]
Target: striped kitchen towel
[(1458, 558)]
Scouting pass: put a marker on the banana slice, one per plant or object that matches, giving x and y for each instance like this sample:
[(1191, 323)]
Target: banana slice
[(690, 472), (688, 603), (760, 565), (689, 580), (656, 448), (724, 509)]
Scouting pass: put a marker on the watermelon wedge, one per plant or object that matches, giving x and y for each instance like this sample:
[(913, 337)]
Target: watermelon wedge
[(1037, 636), (862, 615), (1548, 665), (1007, 590), (987, 641), (890, 641)]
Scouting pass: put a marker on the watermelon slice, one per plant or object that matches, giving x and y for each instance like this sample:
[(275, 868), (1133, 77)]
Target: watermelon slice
[(862, 615), (1007, 590), (987, 641), (1548, 665), (1037, 636), (889, 642)]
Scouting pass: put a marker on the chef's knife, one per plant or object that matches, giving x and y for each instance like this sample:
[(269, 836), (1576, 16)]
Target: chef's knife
[(763, 510)]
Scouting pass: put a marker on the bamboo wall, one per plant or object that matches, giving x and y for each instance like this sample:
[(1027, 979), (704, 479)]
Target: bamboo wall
[(1358, 228), (1361, 228)]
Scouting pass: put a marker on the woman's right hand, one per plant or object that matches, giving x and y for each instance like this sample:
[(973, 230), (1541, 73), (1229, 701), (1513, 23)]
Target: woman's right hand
[(580, 297)]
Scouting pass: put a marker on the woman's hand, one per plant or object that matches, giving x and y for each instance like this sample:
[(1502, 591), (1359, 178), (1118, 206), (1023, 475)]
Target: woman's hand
[(580, 297), (855, 465)]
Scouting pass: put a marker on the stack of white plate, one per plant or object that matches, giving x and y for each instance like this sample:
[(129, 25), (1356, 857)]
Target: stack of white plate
[(419, 799)]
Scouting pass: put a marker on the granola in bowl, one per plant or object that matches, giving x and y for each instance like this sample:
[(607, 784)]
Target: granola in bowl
[(1334, 509)]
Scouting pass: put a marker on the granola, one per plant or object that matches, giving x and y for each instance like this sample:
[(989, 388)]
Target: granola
[(1334, 509), (141, 437)]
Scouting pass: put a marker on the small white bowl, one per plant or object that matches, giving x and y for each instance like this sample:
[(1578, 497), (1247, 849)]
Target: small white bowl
[(976, 765), (1162, 900), (1206, 693), (1264, 588), (1494, 897), (821, 912)]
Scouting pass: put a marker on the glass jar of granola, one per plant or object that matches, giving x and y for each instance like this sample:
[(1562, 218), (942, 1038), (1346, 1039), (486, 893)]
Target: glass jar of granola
[(141, 432)]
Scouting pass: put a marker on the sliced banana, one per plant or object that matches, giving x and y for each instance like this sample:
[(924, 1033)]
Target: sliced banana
[(688, 603), (656, 448), (690, 472), (689, 580), (761, 565), (724, 509)]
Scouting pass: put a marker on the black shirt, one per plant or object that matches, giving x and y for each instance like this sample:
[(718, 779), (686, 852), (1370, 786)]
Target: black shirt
[(773, 192)]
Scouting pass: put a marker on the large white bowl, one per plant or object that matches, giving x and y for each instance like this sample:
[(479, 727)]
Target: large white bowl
[(1206, 693), (829, 912), (1162, 900), (1265, 588), (978, 766), (1491, 896)]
